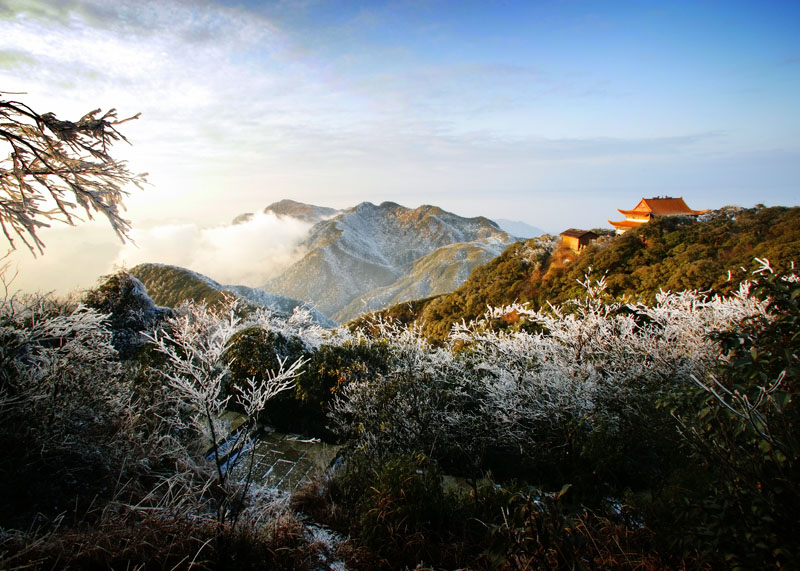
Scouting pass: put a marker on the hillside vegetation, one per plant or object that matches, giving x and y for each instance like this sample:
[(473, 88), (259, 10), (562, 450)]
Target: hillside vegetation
[(171, 286), (670, 254), (596, 435), (590, 434)]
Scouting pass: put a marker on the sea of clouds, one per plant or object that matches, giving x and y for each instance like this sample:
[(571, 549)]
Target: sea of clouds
[(248, 253), (75, 258)]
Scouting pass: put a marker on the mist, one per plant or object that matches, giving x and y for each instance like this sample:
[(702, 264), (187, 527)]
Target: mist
[(249, 253)]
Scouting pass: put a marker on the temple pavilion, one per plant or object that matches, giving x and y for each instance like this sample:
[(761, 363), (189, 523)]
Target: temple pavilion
[(649, 208)]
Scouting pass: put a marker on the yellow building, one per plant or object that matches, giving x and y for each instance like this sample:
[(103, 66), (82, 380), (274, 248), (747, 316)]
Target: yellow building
[(649, 208), (576, 239)]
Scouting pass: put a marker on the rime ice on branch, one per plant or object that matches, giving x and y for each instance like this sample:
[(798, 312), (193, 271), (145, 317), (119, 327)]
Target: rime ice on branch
[(55, 169)]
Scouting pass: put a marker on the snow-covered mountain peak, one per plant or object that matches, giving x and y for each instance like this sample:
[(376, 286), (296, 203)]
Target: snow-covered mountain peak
[(369, 247), (301, 211)]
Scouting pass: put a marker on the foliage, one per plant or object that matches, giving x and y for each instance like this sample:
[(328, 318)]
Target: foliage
[(405, 512), (401, 407), (126, 538), (103, 472), (194, 343), (258, 353), (255, 355), (330, 368), (742, 424), (402, 314), (670, 254), (170, 286), (570, 394), (539, 531), (533, 401), (61, 401), (55, 167), (401, 510), (597, 433)]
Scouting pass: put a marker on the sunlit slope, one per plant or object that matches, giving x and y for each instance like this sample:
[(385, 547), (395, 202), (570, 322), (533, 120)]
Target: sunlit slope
[(673, 254), (439, 272)]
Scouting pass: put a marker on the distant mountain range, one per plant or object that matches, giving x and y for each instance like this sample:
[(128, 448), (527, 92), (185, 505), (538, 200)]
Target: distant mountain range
[(518, 228), (356, 260), (366, 257)]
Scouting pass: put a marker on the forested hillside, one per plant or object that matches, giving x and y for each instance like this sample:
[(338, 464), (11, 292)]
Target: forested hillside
[(670, 253)]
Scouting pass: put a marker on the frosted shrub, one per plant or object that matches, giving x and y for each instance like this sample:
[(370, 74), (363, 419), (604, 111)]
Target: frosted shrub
[(677, 341), (538, 387), (408, 406), (92, 441), (63, 407), (130, 310), (194, 344), (741, 423), (590, 351), (58, 364)]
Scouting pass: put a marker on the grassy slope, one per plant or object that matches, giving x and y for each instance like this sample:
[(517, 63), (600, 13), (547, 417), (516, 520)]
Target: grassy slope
[(169, 286)]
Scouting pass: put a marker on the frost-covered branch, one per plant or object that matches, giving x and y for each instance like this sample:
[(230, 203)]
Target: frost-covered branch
[(194, 343), (55, 168)]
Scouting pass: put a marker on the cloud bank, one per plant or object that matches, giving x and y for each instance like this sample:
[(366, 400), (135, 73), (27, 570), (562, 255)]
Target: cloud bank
[(249, 253)]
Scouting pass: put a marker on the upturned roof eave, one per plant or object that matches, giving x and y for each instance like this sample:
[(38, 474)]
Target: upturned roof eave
[(626, 223)]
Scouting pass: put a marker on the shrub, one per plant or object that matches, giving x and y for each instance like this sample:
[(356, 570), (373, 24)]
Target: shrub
[(61, 403), (742, 425), (542, 531), (256, 354), (124, 538), (130, 311), (400, 511), (329, 370)]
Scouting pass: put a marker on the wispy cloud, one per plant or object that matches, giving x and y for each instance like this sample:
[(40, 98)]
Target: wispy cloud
[(215, 79)]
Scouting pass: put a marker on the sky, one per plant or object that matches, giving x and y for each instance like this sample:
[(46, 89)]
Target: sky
[(555, 113)]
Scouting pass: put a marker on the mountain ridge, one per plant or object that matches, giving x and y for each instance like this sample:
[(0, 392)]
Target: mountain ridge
[(519, 228), (355, 255), (292, 209)]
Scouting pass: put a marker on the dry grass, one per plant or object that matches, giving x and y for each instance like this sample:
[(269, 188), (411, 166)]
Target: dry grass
[(155, 539)]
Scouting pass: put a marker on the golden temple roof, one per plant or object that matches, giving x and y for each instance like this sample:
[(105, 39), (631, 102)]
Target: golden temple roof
[(666, 206)]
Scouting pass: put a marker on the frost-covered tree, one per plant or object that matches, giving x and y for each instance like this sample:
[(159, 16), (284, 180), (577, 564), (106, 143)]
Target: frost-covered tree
[(194, 343), (62, 406), (57, 362), (55, 169), (407, 407), (536, 390), (589, 351)]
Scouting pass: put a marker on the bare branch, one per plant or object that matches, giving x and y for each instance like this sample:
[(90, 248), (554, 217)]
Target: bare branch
[(63, 163)]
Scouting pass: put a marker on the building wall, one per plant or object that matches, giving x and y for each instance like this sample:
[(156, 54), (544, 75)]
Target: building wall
[(571, 242)]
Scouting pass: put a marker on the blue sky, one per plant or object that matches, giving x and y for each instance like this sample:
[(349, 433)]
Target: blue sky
[(555, 113)]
